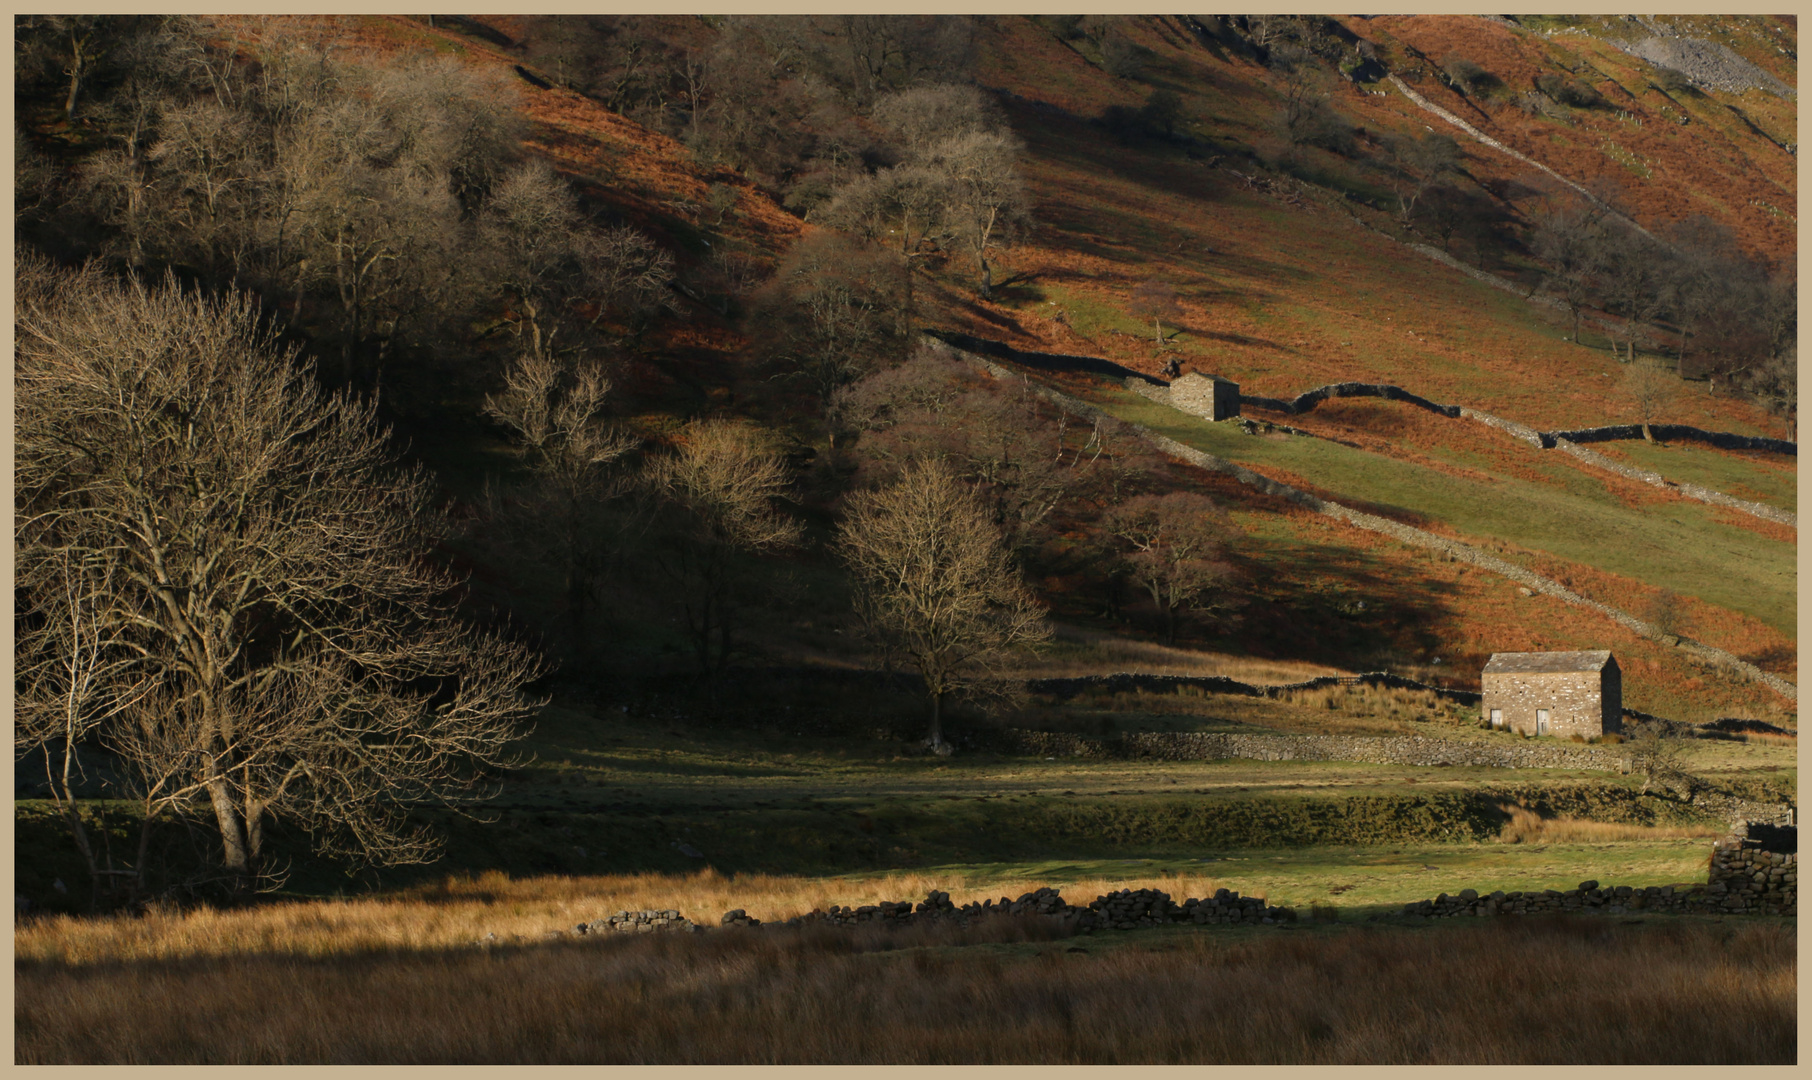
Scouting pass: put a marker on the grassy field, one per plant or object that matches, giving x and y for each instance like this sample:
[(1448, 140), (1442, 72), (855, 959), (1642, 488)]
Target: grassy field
[(786, 821), (1681, 546), (1468, 991), (607, 791)]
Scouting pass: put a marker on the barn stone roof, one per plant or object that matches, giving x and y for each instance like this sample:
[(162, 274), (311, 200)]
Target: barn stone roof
[(1536, 663)]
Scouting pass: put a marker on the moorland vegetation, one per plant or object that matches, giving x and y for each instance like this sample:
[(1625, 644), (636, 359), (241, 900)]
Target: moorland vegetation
[(488, 467)]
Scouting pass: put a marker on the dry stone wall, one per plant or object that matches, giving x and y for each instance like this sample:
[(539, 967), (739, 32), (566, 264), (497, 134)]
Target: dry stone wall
[(1754, 871), (1693, 491), (1129, 681), (1723, 440), (1496, 753)]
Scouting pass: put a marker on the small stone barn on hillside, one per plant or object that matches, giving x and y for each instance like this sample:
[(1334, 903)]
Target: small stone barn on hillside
[(1207, 396), (1554, 693)]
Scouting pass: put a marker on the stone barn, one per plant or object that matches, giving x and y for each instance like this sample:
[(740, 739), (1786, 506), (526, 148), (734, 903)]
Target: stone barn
[(1554, 693), (1206, 395)]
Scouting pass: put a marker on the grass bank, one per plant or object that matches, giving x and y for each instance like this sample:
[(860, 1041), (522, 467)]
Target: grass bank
[(1677, 545)]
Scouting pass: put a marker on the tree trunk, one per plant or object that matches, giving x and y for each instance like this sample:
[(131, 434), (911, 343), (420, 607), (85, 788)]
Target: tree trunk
[(76, 65), (232, 833), (139, 884), (937, 719), (72, 817)]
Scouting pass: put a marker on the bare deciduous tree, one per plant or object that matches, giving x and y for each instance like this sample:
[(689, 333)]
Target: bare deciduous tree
[(556, 271), (833, 312), (934, 581), (1023, 457), (1570, 245), (921, 117), (1632, 277), (1656, 755), (270, 576), (1175, 540), (1420, 164), (74, 671), (557, 415), (1156, 299), (718, 493), (1648, 390), (985, 201)]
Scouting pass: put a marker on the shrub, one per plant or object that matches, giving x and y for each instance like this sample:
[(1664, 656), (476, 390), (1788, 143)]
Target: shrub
[(1466, 76), (1570, 91), (1672, 81)]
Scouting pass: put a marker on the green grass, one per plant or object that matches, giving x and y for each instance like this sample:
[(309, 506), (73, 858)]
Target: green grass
[(1675, 545), (1732, 474), (1358, 881)]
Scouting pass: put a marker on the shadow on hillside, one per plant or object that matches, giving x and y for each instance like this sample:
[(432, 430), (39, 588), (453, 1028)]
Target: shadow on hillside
[(1775, 658), (1342, 606)]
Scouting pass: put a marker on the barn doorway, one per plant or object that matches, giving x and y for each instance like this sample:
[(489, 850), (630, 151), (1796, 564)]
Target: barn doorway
[(1541, 721)]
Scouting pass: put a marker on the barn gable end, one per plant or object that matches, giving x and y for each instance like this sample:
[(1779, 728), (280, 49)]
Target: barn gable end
[(1581, 693)]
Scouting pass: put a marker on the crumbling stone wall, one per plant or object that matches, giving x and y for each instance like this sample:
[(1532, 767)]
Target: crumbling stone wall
[(1753, 871), (640, 922), (1127, 909), (1122, 682)]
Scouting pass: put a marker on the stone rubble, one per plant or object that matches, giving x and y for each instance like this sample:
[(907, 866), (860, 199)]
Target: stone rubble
[(1745, 878)]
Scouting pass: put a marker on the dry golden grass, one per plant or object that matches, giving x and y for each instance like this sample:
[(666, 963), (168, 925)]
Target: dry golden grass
[(461, 911), (1380, 701), (1078, 651), (1581, 990), (1528, 827)]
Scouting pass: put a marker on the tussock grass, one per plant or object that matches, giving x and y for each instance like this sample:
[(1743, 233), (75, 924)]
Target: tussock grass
[(1528, 827), (459, 911), (1383, 702), (1508, 991)]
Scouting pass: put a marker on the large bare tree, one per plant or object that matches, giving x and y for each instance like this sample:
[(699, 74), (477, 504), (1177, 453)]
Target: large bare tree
[(985, 203), (267, 570), (1174, 543), (934, 580)]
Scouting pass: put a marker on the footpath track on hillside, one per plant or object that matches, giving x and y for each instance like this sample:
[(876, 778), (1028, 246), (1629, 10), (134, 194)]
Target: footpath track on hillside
[(1407, 534)]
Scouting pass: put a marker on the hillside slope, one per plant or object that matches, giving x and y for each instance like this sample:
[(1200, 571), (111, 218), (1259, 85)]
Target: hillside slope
[(1292, 264)]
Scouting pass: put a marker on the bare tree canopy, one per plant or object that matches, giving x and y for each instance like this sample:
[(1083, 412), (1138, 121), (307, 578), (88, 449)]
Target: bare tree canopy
[(934, 580), (561, 512), (833, 312), (717, 496), (1175, 541), (1023, 457), (266, 638)]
